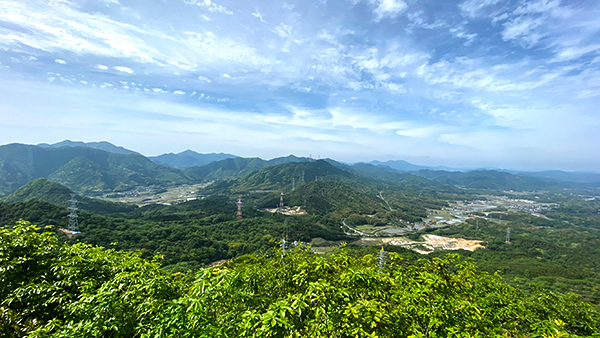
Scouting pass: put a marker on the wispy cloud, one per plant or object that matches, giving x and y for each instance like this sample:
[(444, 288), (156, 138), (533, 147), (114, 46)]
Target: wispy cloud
[(342, 76), (388, 8)]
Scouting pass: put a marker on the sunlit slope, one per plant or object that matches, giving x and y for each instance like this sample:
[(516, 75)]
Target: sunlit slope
[(84, 170), (44, 190)]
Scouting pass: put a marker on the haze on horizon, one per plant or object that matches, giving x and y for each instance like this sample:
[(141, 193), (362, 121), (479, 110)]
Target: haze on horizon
[(473, 83)]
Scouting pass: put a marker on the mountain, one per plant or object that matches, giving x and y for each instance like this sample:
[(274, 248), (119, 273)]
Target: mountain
[(402, 165), (189, 158), (288, 159), (565, 176), (487, 179), (399, 165), (284, 176), (84, 170), (228, 168), (44, 190), (237, 167), (102, 145)]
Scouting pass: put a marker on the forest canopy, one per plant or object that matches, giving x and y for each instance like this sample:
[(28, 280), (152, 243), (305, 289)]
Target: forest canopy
[(54, 289)]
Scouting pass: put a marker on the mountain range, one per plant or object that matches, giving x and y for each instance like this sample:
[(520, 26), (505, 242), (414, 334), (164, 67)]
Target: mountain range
[(82, 169), (102, 145), (188, 158), (99, 167)]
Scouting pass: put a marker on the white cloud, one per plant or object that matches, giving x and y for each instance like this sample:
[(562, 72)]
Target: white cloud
[(123, 69), (424, 131), (179, 92), (461, 33), (259, 16), (208, 4), (388, 8), (574, 52), (227, 76), (204, 78), (206, 47), (522, 28), (102, 67), (62, 62), (283, 30), (473, 8)]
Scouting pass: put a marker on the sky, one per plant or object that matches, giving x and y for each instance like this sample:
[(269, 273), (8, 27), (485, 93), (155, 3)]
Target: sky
[(474, 83)]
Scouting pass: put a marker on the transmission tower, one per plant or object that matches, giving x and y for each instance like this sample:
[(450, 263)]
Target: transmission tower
[(239, 207), (507, 235), (73, 224), (284, 241), (281, 201), (302, 176), (293, 183), (381, 260)]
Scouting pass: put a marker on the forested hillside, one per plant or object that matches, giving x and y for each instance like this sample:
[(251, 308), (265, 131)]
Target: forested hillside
[(44, 190), (84, 170), (61, 290)]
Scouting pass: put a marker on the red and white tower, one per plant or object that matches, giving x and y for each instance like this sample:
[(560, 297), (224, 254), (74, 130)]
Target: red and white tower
[(281, 201), (239, 207)]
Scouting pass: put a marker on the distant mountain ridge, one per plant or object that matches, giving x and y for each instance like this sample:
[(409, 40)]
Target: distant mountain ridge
[(87, 169), (239, 166), (82, 169), (402, 165), (189, 158), (102, 145)]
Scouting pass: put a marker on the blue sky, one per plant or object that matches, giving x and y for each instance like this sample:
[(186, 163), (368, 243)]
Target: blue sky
[(475, 83)]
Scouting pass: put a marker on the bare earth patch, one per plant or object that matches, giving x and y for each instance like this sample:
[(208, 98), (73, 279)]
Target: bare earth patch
[(433, 242)]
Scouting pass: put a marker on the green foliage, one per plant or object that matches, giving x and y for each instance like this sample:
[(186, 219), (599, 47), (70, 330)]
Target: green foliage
[(44, 190), (49, 289), (84, 170), (53, 290), (548, 253)]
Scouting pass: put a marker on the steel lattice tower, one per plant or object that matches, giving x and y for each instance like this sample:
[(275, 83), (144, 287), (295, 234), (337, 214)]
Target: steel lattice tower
[(239, 207), (281, 201), (284, 241), (73, 224), (381, 260)]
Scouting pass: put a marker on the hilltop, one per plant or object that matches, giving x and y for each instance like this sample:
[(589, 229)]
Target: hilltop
[(47, 191), (82, 169)]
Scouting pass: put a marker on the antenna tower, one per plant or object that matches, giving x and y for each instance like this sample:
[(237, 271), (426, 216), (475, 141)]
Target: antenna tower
[(281, 201), (73, 225), (507, 235), (293, 183), (239, 207)]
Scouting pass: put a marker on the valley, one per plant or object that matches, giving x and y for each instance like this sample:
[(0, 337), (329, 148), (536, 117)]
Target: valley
[(157, 195), (533, 239)]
